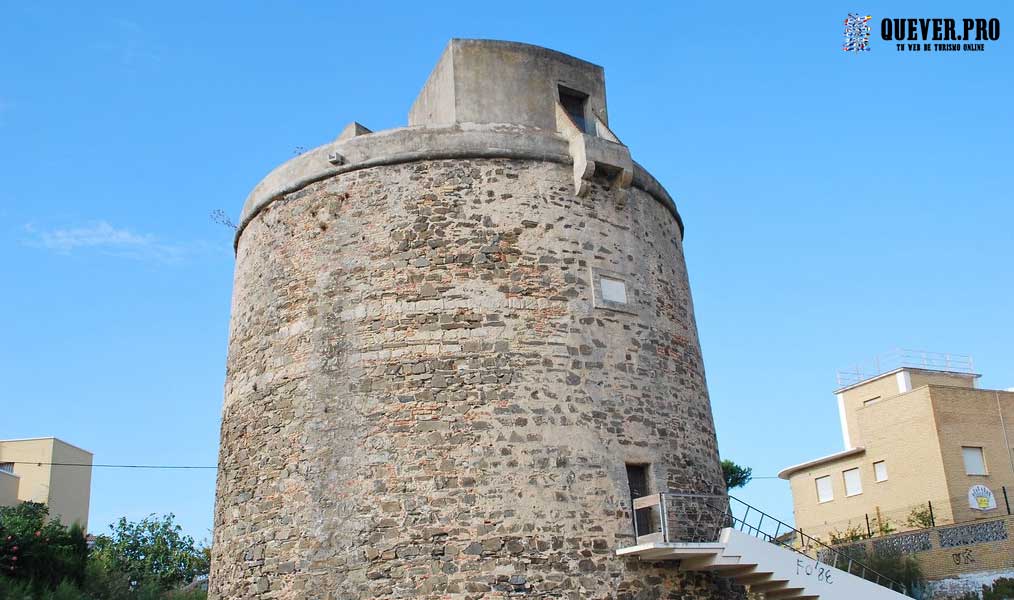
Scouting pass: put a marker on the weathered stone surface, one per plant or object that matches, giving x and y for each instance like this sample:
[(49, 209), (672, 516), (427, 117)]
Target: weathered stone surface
[(491, 81), (422, 401)]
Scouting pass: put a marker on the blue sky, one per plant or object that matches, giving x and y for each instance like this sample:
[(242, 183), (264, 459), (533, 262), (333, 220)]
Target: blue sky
[(836, 205)]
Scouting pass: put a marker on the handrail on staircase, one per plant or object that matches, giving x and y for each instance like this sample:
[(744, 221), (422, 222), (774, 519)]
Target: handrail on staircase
[(714, 512)]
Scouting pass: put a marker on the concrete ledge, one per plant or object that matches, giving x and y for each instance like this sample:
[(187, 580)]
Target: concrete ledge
[(413, 144), (787, 472)]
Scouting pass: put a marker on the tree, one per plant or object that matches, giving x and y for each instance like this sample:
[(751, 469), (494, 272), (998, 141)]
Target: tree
[(40, 551), (152, 552), (735, 475)]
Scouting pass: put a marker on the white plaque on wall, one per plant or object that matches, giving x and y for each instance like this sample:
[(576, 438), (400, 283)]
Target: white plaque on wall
[(981, 497)]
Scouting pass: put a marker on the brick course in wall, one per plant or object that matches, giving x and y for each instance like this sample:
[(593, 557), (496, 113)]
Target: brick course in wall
[(422, 400)]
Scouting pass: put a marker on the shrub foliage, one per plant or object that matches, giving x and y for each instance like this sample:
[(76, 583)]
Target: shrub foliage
[(41, 559)]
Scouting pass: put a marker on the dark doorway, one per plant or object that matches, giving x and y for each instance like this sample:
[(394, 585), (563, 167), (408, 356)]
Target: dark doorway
[(637, 479), (574, 103)]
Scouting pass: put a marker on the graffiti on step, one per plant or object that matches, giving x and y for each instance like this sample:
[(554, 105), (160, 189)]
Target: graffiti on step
[(963, 558), (811, 569)]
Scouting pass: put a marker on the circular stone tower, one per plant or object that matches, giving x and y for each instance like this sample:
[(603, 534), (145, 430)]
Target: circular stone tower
[(456, 351)]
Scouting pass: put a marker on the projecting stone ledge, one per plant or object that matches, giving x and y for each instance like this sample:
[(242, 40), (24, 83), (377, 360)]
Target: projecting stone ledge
[(409, 144)]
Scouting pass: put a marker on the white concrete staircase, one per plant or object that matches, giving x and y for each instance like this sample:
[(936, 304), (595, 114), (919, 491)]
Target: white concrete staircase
[(749, 556)]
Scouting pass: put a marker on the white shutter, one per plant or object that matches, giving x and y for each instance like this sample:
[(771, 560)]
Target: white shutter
[(853, 483), (975, 464), (824, 491), (880, 470)]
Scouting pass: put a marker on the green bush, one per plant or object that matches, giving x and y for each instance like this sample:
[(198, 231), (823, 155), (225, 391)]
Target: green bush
[(102, 583), (850, 533), (40, 559), (11, 589), (66, 591), (921, 517), (1002, 589), (902, 568), (153, 552), (40, 550)]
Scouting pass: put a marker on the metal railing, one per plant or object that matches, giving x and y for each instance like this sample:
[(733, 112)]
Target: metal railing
[(901, 357), (700, 518)]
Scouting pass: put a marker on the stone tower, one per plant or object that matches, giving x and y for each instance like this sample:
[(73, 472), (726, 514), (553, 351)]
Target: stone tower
[(451, 343)]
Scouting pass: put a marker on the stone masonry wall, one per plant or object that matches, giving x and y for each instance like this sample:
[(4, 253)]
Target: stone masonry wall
[(422, 401)]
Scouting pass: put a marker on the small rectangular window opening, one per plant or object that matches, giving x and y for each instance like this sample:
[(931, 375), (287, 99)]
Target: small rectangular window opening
[(824, 491), (7, 467), (975, 462), (574, 104), (637, 479), (880, 471)]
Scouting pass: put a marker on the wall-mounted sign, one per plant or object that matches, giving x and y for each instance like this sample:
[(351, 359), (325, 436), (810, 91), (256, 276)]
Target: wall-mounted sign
[(981, 497)]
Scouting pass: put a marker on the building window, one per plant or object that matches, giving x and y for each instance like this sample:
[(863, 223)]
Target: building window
[(574, 103), (637, 480), (880, 471), (975, 463), (853, 482), (7, 467), (824, 491)]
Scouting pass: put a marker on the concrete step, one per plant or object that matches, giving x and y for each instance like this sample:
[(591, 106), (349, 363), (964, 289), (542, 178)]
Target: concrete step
[(783, 591), (753, 577), (771, 586), (713, 562)]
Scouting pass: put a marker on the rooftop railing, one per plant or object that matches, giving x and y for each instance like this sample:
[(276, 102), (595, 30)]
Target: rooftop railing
[(901, 357)]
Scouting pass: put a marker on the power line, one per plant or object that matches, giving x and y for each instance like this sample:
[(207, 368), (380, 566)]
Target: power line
[(105, 465)]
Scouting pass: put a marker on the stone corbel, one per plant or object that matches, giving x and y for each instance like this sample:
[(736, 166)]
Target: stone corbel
[(583, 168), (603, 151)]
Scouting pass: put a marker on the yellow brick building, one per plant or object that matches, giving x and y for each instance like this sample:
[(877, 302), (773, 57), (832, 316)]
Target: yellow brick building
[(921, 442), (39, 470)]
